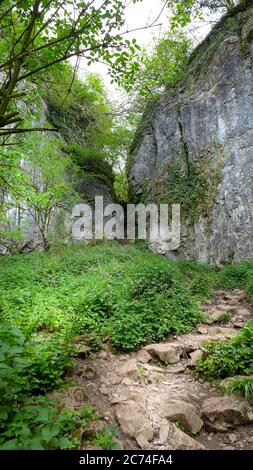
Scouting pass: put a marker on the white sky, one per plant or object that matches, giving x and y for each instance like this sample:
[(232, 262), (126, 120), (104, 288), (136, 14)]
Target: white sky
[(137, 16)]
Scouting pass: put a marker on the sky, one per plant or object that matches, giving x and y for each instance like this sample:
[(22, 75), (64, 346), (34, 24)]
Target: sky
[(138, 16)]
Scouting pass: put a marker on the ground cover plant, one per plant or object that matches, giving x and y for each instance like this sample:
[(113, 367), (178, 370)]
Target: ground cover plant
[(82, 296)]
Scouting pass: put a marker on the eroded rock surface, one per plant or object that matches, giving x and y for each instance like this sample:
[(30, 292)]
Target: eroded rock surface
[(209, 119)]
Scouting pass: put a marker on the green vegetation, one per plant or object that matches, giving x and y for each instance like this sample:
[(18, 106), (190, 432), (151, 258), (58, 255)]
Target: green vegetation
[(192, 185), (164, 67), (43, 172), (57, 302), (128, 295), (232, 357), (242, 386), (35, 180), (228, 358), (186, 12), (106, 439), (45, 34), (28, 420), (205, 51)]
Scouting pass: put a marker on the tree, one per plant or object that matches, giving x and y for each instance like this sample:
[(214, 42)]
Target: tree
[(35, 177), (35, 182), (36, 35), (183, 11), (164, 66)]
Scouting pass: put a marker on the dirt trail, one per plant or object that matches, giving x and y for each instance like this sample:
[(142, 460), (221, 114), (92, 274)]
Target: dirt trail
[(155, 398)]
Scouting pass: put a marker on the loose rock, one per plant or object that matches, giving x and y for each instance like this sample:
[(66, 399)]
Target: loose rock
[(186, 413), (143, 356), (167, 352), (134, 421), (130, 370), (221, 413)]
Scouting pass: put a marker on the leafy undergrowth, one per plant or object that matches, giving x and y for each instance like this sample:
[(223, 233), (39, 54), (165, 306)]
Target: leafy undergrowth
[(52, 303), (231, 358), (31, 421)]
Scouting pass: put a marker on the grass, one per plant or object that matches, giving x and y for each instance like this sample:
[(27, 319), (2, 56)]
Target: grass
[(242, 386)]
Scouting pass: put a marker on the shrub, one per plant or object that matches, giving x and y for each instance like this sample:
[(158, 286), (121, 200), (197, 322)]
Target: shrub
[(235, 275), (27, 421), (15, 377), (228, 358), (39, 423), (26, 367)]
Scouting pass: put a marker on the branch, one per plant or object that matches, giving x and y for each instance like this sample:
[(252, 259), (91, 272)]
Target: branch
[(5, 132), (18, 64)]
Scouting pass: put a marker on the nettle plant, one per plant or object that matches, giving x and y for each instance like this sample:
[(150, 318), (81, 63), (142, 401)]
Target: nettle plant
[(28, 420)]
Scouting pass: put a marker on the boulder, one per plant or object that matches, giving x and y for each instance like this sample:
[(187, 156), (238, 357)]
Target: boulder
[(175, 438), (133, 420), (151, 368), (130, 370), (195, 355), (179, 440), (239, 324), (185, 413), (244, 313), (167, 352), (202, 330), (142, 442), (221, 413), (190, 344), (164, 432), (111, 379)]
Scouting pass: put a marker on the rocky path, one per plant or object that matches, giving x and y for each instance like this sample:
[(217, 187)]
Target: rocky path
[(155, 397)]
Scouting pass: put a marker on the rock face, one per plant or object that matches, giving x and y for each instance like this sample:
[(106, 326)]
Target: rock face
[(207, 122)]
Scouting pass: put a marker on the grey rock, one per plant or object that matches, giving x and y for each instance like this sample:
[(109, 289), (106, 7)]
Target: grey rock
[(221, 413), (134, 421), (179, 440), (211, 117), (167, 352), (143, 356), (186, 413), (130, 370)]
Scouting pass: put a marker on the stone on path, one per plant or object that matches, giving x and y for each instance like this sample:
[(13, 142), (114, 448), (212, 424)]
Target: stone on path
[(185, 413), (221, 413), (143, 356), (134, 421), (167, 352), (130, 370)]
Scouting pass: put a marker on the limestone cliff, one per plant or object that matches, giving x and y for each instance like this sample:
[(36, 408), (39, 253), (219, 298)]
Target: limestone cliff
[(204, 128)]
